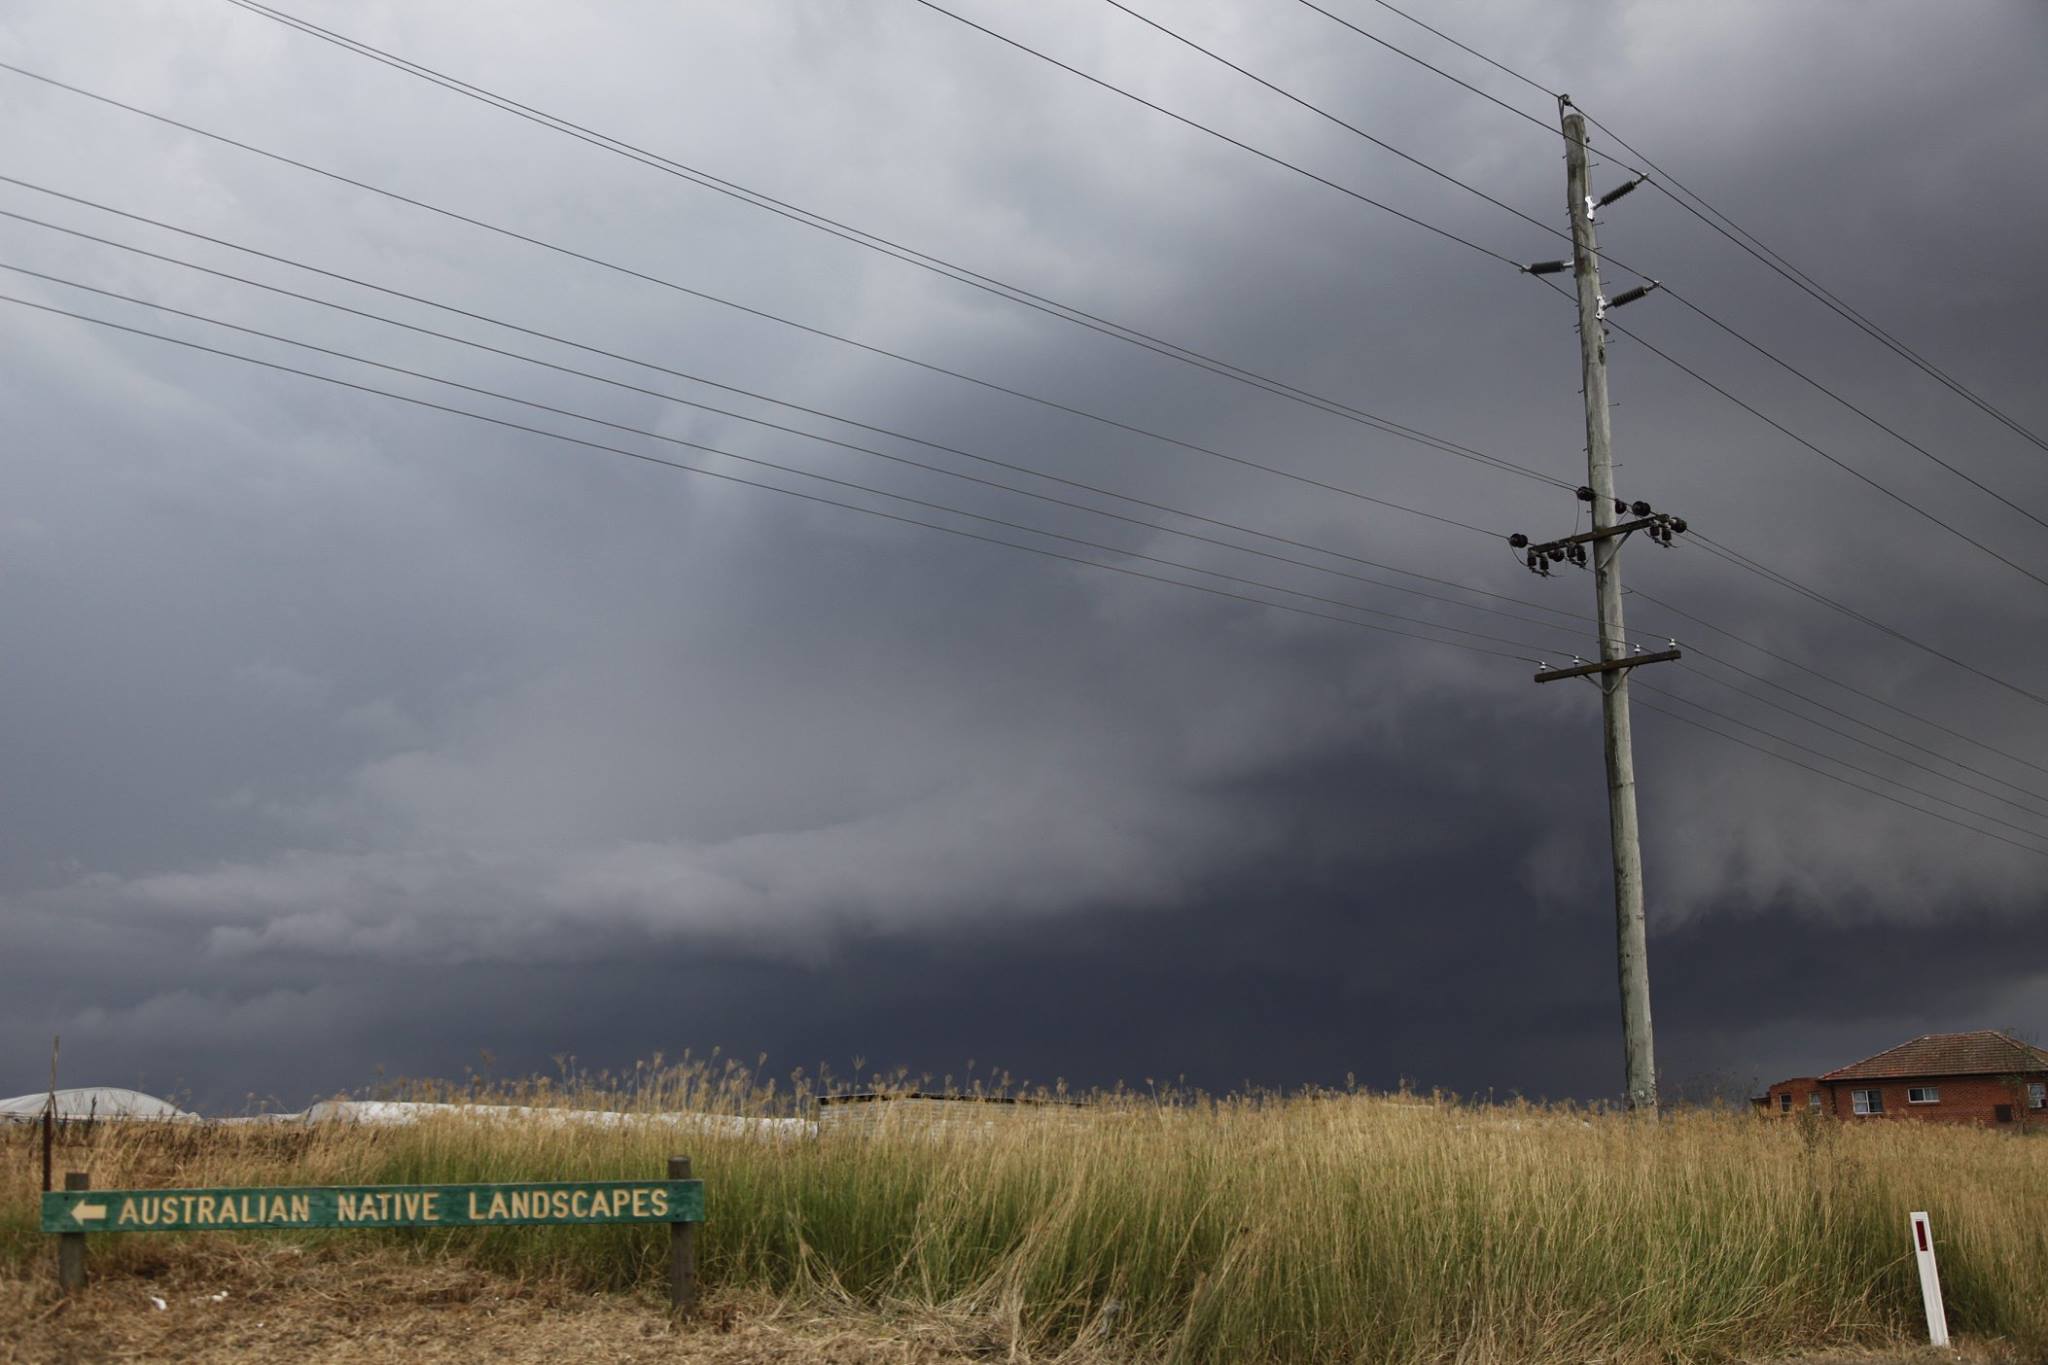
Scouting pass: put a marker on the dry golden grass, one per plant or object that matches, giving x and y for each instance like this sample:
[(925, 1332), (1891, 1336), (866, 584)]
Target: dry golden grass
[(1259, 1229)]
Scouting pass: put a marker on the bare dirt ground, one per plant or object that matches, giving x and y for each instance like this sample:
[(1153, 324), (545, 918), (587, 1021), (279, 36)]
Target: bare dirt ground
[(289, 1303)]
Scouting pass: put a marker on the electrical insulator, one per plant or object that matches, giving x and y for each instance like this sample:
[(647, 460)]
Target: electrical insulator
[(1641, 509), (1619, 191), (1556, 555), (1518, 540), (1545, 267), (1620, 508), (1531, 562), (1583, 493), (1678, 525), (1628, 296)]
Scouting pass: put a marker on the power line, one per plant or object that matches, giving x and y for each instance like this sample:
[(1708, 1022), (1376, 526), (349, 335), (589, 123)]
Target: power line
[(1769, 258), (1831, 458), (1902, 500), (796, 431), (696, 378), (587, 135), (714, 450), (890, 516), (1321, 112), (1526, 80), (861, 237), (729, 303), (676, 465), (1835, 777), (1454, 80), (1866, 772), (1770, 575), (1893, 432), (1775, 705), (853, 507), (1217, 133), (1264, 155), (1975, 483), (1329, 406), (1117, 4), (1686, 198), (1833, 681), (1018, 393), (1731, 331), (1679, 193)]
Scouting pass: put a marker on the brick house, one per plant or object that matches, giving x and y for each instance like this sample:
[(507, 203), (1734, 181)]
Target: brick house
[(1980, 1077), (1799, 1095)]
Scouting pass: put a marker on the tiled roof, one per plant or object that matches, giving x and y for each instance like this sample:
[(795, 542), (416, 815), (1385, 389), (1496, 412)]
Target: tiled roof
[(1985, 1052)]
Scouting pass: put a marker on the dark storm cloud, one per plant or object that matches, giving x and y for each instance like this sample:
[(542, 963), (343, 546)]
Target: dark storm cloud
[(342, 735)]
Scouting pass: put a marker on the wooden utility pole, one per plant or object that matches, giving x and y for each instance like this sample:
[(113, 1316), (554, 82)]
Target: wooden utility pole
[(1630, 940)]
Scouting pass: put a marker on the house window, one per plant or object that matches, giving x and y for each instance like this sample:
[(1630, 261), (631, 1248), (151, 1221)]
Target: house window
[(2037, 1094), (1785, 1103), (1923, 1094), (2002, 1113), (1813, 1100), (1867, 1101)]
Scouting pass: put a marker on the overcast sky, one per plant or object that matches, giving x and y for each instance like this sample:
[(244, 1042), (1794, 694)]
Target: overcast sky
[(343, 737)]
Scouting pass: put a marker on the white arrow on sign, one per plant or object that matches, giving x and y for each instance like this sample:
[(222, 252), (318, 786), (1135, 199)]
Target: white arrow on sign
[(88, 1213)]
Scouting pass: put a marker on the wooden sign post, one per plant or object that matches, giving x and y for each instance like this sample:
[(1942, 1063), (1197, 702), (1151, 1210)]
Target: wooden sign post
[(678, 1201)]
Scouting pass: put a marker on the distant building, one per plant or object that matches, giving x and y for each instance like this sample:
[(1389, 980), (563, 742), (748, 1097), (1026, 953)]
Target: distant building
[(1983, 1077), (1799, 1095)]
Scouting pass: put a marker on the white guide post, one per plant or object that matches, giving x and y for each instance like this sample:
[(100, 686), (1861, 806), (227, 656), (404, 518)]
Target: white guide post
[(1930, 1280)]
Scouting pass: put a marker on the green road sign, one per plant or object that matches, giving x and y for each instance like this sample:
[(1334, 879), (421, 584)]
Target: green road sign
[(375, 1206)]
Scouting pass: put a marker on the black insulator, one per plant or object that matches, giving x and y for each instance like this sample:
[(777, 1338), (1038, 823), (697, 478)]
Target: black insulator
[(1556, 555), (1620, 508), (1604, 200), (1518, 540), (1678, 525), (1546, 267), (1641, 509), (1530, 560), (1584, 493)]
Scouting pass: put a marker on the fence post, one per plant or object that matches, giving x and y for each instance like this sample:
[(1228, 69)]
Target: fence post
[(682, 1251), (71, 1245)]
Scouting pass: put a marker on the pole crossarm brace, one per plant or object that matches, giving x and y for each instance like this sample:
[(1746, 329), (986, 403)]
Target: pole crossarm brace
[(1661, 526), (1603, 533), (1662, 656)]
